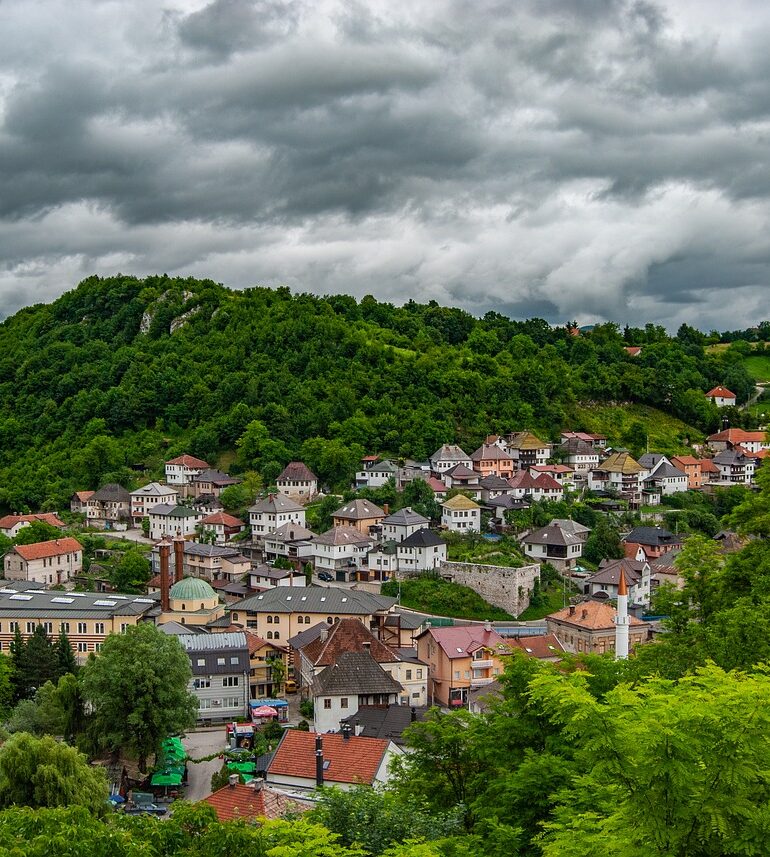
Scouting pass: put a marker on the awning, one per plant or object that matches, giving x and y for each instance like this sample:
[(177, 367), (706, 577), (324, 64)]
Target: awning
[(242, 767)]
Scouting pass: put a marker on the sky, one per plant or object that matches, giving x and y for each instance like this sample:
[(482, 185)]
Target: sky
[(567, 159)]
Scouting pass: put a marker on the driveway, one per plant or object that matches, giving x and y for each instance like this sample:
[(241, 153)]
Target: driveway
[(200, 743)]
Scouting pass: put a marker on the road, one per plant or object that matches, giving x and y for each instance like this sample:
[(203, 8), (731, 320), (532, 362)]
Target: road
[(199, 743)]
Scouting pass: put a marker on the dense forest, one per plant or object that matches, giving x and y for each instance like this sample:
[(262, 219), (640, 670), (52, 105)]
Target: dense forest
[(121, 373)]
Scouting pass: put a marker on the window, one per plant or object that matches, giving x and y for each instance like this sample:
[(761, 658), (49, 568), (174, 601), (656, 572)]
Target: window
[(415, 696), (30, 627), (327, 704), (82, 628), (230, 681), (48, 627), (269, 635), (307, 620), (12, 626), (276, 620), (220, 662), (235, 617), (457, 674), (276, 636), (82, 647), (234, 660), (408, 675), (269, 620), (201, 662), (99, 628), (419, 673), (329, 619), (344, 702), (97, 647)]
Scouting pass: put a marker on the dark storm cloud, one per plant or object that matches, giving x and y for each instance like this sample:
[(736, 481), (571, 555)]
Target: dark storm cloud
[(589, 160)]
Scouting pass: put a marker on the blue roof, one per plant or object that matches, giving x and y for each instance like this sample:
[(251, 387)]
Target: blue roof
[(273, 703)]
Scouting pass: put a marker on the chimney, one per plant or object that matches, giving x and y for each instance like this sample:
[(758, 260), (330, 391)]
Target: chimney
[(487, 626), (324, 635), (178, 560), (359, 728), (572, 610), (346, 731), (584, 614), (386, 508), (257, 783), (232, 780), (319, 761), (165, 604), (368, 647)]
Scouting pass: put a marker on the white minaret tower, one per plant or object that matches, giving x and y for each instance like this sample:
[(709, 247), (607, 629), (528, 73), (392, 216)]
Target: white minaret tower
[(621, 619)]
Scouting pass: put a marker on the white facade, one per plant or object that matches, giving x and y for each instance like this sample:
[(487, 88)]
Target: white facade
[(49, 570), (268, 521), (149, 496), (179, 473), (461, 520), (331, 557), (420, 558), (167, 521)]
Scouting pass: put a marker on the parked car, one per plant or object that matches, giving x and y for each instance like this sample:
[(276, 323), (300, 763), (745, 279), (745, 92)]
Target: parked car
[(325, 576), (290, 686)]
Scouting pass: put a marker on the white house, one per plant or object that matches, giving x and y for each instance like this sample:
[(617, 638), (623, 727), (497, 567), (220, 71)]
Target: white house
[(180, 470), (736, 467), (449, 456), (638, 576), (222, 526), (580, 455), (375, 473), (268, 515), (50, 563), (461, 515), (267, 577), (400, 525), (290, 541), (664, 476), (722, 397), (422, 551), (559, 543), (297, 480), (169, 520), (341, 550), (148, 496)]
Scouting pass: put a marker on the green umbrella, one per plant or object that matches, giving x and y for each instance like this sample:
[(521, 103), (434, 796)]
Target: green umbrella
[(242, 767), (168, 777)]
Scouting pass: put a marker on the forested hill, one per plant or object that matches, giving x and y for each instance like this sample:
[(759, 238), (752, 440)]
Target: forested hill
[(123, 371)]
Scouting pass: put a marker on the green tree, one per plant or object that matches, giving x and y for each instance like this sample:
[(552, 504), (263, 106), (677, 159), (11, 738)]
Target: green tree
[(132, 572), (65, 657), (37, 531), (278, 671), (41, 772), (138, 689), (7, 687), (603, 542), (39, 663)]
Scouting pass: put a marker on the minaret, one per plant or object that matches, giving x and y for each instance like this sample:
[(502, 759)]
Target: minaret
[(621, 619)]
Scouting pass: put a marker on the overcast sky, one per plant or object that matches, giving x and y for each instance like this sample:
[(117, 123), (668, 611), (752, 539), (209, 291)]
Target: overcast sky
[(568, 159)]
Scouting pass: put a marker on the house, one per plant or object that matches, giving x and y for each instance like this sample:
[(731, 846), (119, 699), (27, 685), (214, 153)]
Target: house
[(145, 498), (262, 657), (341, 551), (282, 612), (323, 646), (252, 801), (298, 481), (111, 504), (447, 457), (223, 526), (375, 473), (664, 476), (461, 515), (522, 485), (692, 468), (354, 679), (736, 466), (463, 479), (597, 440), (620, 474), (11, 524), (506, 503), (527, 450), (459, 658), (86, 617), (361, 515), (491, 459), (207, 504), (559, 543), (580, 455), (722, 397), (292, 542), (382, 560), (562, 473), (422, 551), (546, 487), (220, 674), (637, 574), (401, 524), (266, 577), (211, 481), (384, 721), (275, 510), (305, 760), (544, 647), (79, 500), (590, 627), (749, 441), (181, 470), (171, 520), (49, 563), (649, 543), (211, 562), (633, 350), (493, 486), (191, 601)]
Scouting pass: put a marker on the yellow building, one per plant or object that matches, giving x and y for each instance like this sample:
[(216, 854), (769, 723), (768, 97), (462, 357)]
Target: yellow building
[(192, 601)]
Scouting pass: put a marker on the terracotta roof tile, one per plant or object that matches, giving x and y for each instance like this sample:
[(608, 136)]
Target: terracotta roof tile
[(223, 518), (591, 615), (189, 461), (245, 802), (56, 547), (347, 635), (46, 517)]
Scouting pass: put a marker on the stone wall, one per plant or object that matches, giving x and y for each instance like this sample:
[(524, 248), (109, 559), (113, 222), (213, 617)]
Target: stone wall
[(506, 588)]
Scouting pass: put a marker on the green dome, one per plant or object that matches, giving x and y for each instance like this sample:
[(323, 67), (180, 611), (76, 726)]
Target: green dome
[(191, 589)]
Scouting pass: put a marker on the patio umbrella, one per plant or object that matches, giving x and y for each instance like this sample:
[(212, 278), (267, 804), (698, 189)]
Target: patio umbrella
[(169, 777), (264, 711)]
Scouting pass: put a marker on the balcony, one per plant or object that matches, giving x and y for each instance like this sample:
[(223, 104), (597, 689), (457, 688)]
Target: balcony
[(482, 665), (480, 682)]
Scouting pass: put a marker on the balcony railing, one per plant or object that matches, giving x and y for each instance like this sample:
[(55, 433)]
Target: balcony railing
[(482, 665), (479, 682)]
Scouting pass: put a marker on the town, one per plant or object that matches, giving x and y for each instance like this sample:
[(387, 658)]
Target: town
[(306, 636)]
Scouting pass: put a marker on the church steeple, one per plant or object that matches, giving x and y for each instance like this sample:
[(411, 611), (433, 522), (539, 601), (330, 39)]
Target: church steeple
[(621, 619)]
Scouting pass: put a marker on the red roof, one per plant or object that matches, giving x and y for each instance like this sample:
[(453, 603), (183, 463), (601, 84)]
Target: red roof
[(352, 760), (84, 495), (56, 547), (541, 646), (190, 461), (590, 615), (548, 483), (347, 635), (223, 518), (708, 466), (255, 642), (737, 435), (461, 640), (46, 517), (523, 479), (297, 471), (720, 393), (436, 484), (633, 350), (551, 468), (240, 801)]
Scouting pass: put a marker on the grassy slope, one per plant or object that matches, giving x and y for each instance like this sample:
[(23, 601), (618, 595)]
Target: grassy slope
[(667, 434), (442, 598), (758, 366)]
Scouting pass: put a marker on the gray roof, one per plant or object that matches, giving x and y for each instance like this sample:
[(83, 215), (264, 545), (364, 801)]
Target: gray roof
[(610, 571), (577, 446), (450, 452), (111, 493), (408, 621), (493, 482), (217, 477), (154, 489), (667, 471), (213, 642), (355, 673), (731, 456), (171, 510), (385, 466), (358, 510), (315, 599), (654, 536), (406, 517), (291, 532), (274, 503), (176, 628), (43, 603), (571, 526), (199, 549), (552, 534), (650, 459), (422, 539), (385, 721), (299, 641), (22, 585), (342, 536)]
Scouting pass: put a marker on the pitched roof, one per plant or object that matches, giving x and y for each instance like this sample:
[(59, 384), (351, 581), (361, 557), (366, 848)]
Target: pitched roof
[(154, 489), (55, 547), (552, 534), (385, 721), (329, 600), (460, 471), (591, 616), (297, 471), (83, 495), (490, 452), (459, 641), (111, 493), (571, 526), (620, 462), (247, 802), (541, 646), (217, 477), (354, 673), (450, 452), (459, 501), (654, 536), (667, 471), (610, 572), (493, 482), (720, 392), (51, 518), (738, 435), (525, 440), (275, 503), (342, 536), (350, 760), (223, 518), (546, 482), (406, 517), (291, 532), (523, 480), (577, 446), (359, 510), (189, 461), (347, 635), (682, 460), (423, 538)]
